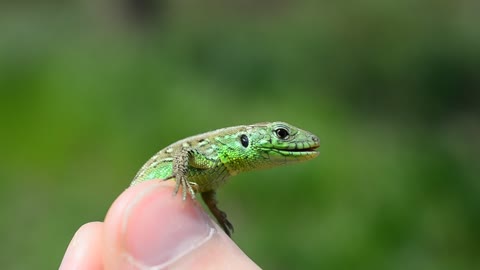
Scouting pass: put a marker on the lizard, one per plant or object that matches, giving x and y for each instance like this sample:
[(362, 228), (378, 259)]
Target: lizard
[(202, 163)]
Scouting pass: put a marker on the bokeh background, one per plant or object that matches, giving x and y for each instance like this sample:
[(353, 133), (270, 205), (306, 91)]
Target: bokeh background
[(89, 90)]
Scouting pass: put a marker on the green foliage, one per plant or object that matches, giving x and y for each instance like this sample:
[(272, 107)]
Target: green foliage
[(391, 88)]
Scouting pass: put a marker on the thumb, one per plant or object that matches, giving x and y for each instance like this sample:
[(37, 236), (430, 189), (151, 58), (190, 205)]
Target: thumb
[(149, 228)]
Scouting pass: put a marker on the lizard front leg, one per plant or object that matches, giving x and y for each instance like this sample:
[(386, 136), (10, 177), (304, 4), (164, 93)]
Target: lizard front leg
[(180, 171), (210, 200), (185, 160)]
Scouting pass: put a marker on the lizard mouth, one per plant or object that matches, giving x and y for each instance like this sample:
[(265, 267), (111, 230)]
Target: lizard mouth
[(295, 151), (306, 152), (309, 149)]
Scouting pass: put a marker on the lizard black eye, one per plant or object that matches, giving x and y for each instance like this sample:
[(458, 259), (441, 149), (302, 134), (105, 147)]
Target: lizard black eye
[(244, 140), (281, 133)]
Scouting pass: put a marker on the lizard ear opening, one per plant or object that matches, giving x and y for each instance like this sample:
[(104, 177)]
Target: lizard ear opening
[(244, 140)]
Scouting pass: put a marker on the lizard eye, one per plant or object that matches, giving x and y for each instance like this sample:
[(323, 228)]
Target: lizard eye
[(281, 133), (244, 140)]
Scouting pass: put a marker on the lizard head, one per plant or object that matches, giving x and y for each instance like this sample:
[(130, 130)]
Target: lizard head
[(271, 144), (283, 143)]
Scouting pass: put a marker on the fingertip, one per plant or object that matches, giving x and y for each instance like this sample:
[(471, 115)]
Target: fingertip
[(148, 226), (84, 250)]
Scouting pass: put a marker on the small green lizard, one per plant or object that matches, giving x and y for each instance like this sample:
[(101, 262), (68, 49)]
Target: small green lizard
[(203, 162)]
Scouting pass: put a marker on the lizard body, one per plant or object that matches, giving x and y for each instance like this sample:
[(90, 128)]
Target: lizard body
[(204, 162)]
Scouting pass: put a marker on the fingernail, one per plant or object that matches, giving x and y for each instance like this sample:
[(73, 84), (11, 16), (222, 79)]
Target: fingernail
[(160, 228)]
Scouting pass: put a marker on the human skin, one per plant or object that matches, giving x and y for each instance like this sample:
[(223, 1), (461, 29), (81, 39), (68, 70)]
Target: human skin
[(149, 228)]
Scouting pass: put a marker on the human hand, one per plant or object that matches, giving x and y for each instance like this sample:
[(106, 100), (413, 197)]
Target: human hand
[(148, 228)]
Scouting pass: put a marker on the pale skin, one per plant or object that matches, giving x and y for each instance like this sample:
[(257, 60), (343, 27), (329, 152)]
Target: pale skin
[(148, 228)]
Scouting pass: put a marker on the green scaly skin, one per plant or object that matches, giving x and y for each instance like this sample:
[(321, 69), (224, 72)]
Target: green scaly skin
[(202, 163)]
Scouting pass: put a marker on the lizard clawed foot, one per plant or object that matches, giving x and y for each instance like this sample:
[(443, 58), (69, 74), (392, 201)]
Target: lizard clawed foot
[(220, 216), (186, 187), (225, 224), (180, 172)]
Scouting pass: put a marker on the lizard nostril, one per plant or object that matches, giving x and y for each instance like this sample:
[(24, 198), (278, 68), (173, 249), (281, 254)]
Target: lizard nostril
[(315, 140)]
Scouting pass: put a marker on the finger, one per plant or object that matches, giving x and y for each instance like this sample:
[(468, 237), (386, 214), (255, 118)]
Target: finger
[(84, 251), (148, 227)]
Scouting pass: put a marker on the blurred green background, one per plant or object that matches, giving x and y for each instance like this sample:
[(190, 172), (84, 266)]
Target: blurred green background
[(89, 90)]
